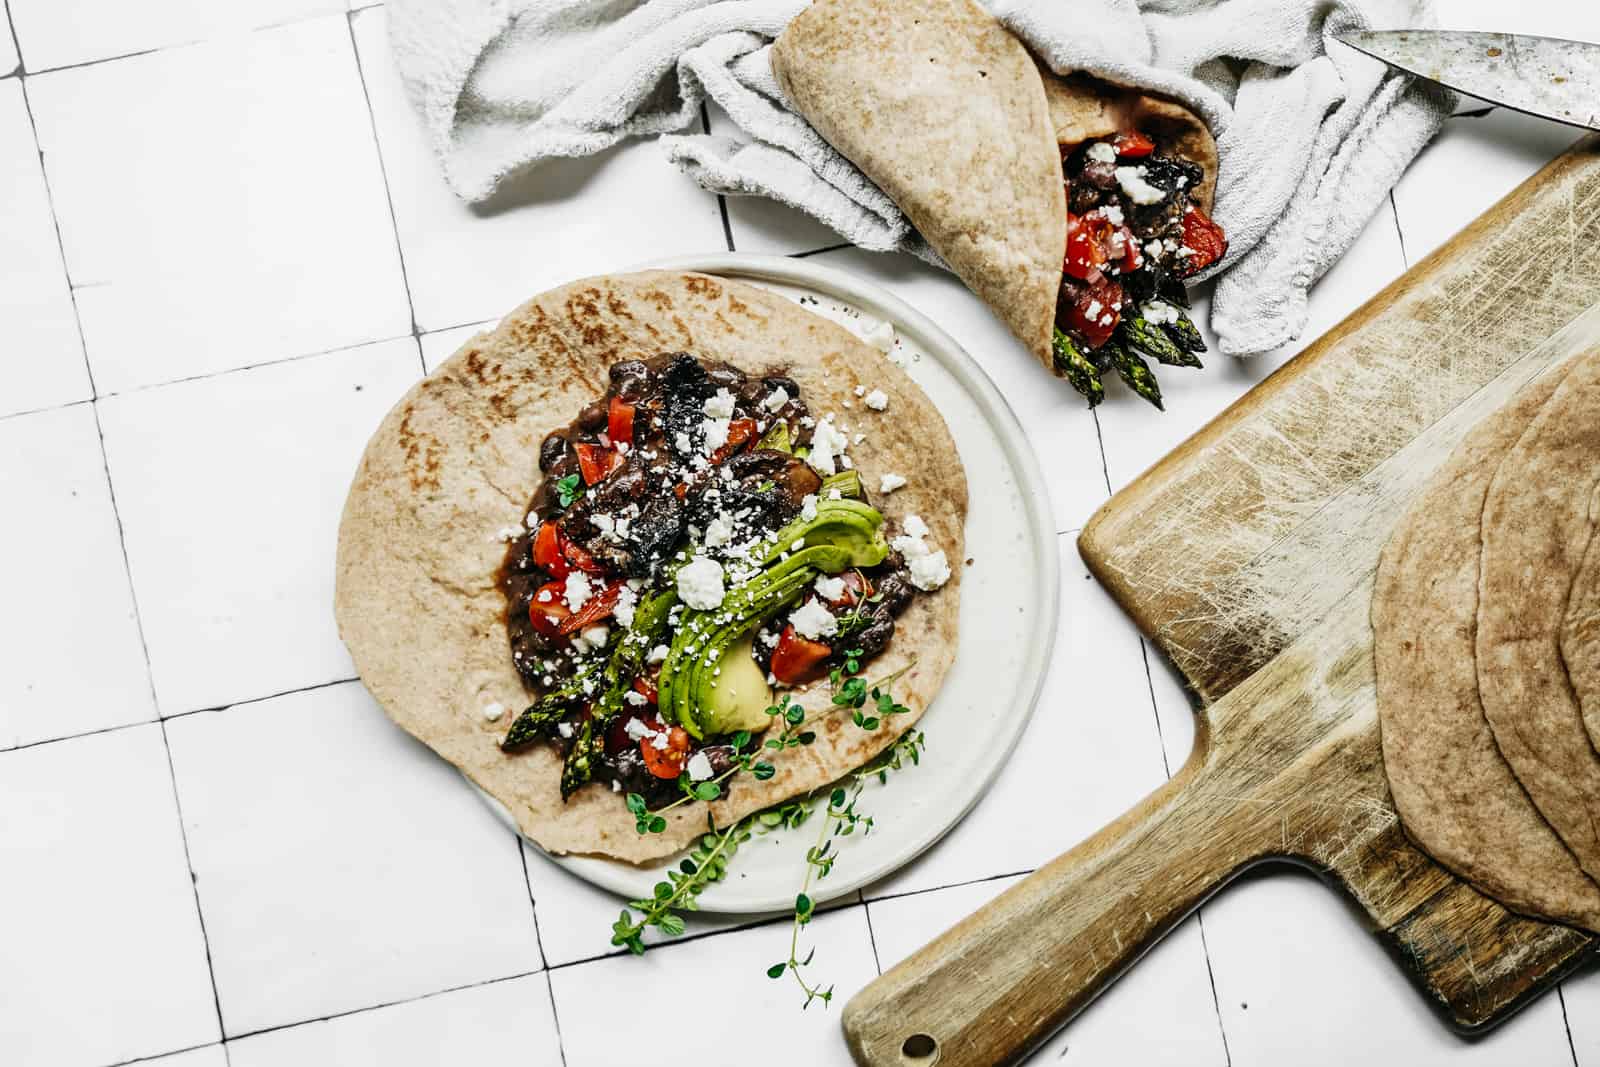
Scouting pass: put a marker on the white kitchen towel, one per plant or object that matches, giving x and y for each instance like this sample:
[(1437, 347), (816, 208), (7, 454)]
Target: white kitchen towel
[(1311, 134)]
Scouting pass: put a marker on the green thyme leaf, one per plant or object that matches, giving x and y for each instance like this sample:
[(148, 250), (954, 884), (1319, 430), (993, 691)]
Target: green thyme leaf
[(567, 490)]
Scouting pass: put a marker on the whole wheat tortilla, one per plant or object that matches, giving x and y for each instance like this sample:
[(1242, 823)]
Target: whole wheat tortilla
[(949, 115), (1535, 530), (1580, 631), (457, 460), (1455, 792)]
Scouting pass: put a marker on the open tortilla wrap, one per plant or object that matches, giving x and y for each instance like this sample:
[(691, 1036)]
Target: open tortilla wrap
[(950, 115), (456, 462)]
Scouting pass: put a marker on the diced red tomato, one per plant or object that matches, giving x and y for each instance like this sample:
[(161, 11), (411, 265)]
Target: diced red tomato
[(1133, 145), (740, 431), (595, 462), (546, 610), (547, 544), (665, 762), (619, 422), (797, 658), (1205, 241), (1132, 257), (856, 587), (1094, 311), (645, 686), (1085, 255), (597, 607)]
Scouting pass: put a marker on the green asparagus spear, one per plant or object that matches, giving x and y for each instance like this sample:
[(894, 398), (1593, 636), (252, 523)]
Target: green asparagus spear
[(1077, 369), (626, 660), (1137, 332), (1185, 334), (1136, 372), (530, 726)]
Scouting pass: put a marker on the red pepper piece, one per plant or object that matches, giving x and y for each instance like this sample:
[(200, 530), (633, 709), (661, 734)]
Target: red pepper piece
[(797, 658), (1085, 255), (1205, 241), (547, 545), (546, 610), (594, 609), (665, 762), (596, 462), (1095, 311), (619, 422), (740, 431), (1132, 144)]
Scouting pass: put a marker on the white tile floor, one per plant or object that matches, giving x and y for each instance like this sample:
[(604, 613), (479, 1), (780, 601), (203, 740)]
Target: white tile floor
[(232, 257)]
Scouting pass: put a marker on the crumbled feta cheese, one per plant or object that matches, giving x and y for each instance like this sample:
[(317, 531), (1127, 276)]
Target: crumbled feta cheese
[(658, 654), (606, 525), (812, 620), (861, 390), (627, 604), (827, 447), (636, 729), (492, 712), (890, 482), (799, 543), (699, 767), (808, 506), (913, 525), (719, 531), (700, 583), (564, 729), (1138, 190), (1113, 214), (719, 405), (508, 533), (593, 637), (930, 572), (636, 698), (829, 588), (716, 433), (577, 590), (682, 443), (1095, 307), (879, 335), (1101, 152), (877, 400), (1157, 312), (776, 399), (909, 547), (834, 494), (1152, 248)]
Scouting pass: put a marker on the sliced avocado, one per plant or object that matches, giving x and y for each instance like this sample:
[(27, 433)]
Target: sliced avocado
[(848, 483), (777, 438), (735, 695), (846, 524)]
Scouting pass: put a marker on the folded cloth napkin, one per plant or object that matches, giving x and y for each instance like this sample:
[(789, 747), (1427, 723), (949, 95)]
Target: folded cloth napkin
[(1311, 134)]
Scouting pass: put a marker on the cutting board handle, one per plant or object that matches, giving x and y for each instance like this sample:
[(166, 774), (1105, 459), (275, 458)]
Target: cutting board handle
[(993, 987)]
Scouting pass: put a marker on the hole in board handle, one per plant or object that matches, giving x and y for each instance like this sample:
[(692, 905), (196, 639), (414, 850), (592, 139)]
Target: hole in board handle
[(921, 1050)]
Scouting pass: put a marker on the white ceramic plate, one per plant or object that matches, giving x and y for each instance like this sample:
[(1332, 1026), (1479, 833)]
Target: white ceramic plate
[(1009, 603)]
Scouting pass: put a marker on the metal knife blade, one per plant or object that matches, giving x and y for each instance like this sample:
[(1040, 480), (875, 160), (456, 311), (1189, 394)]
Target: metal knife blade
[(1545, 76)]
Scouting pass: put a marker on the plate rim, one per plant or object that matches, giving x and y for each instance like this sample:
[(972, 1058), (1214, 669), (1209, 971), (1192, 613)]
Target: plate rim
[(629, 881)]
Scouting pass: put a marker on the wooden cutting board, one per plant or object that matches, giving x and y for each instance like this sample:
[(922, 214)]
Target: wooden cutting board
[(1248, 555)]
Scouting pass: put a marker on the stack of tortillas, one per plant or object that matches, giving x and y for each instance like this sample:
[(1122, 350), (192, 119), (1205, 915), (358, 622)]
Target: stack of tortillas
[(1487, 621)]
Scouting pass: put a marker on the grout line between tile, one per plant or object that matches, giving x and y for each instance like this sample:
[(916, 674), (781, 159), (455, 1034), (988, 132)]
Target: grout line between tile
[(820, 251), (947, 885), (388, 194), (872, 936), (722, 201), (171, 1052), (1211, 976), (1394, 213), (1105, 462), (538, 939), (46, 409), (16, 45), (194, 885), (296, 358), (180, 714), (375, 1007), (1572, 1046)]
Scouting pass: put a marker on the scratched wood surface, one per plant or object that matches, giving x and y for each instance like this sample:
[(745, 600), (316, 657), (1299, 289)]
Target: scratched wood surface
[(1247, 555)]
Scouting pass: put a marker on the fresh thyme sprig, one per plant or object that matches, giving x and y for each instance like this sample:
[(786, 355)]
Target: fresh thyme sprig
[(708, 861), (840, 819)]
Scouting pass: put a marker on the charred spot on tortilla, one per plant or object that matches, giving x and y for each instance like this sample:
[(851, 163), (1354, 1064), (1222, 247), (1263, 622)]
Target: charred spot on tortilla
[(698, 539)]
